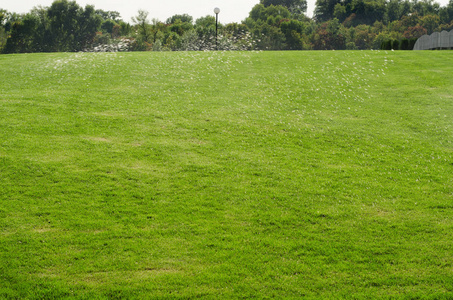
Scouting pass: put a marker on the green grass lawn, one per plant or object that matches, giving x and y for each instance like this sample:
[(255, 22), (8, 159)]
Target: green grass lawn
[(226, 175)]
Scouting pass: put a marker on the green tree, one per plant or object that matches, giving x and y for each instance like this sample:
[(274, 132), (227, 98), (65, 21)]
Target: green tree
[(144, 31), (42, 35), (294, 34), (296, 7), (185, 18), (108, 25), (180, 27), (430, 22), (88, 23), (205, 22), (325, 9), (109, 15), (425, 7), (206, 30), (396, 9), (3, 32), (329, 36), (72, 27), (414, 32), (30, 33), (21, 35), (446, 13), (268, 37), (125, 28), (368, 11), (260, 12), (364, 37), (63, 21), (340, 12)]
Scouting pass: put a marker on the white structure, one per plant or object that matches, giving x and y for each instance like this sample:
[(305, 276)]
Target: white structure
[(442, 40)]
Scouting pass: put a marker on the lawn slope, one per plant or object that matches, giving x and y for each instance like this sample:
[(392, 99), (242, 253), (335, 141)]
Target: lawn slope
[(226, 174)]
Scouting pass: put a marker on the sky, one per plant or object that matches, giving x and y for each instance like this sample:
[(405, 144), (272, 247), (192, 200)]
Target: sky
[(230, 10)]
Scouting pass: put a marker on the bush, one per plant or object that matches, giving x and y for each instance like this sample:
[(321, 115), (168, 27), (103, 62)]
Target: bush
[(395, 45), (157, 46), (386, 45), (351, 46), (404, 45), (412, 44)]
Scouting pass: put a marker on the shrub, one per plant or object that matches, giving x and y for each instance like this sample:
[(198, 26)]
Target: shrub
[(351, 46), (386, 45), (395, 45), (404, 45), (412, 44)]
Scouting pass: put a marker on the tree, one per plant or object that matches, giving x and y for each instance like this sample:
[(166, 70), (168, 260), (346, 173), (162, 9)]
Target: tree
[(143, 29), (324, 10), (206, 30), (109, 15), (3, 17), (296, 7), (268, 37), (3, 32), (88, 24), (446, 13), (425, 7), (363, 37), (260, 12), (63, 20), (430, 22), (368, 11), (414, 32), (125, 28), (64, 26), (395, 10), (294, 34), (72, 28), (30, 33), (185, 18), (340, 12), (329, 36), (42, 35), (21, 35), (108, 25)]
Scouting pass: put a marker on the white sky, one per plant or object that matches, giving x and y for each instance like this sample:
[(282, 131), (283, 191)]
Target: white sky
[(230, 10)]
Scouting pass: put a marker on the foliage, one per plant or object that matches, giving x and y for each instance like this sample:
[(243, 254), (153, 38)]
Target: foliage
[(324, 10), (430, 23), (3, 31), (386, 44), (415, 32), (404, 44), (71, 27), (329, 37), (109, 15), (296, 7), (294, 34), (144, 30), (64, 26), (184, 18), (271, 25)]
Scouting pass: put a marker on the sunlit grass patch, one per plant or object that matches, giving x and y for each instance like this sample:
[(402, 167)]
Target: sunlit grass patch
[(226, 174)]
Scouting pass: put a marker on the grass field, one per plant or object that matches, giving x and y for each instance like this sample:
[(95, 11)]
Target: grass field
[(226, 175)]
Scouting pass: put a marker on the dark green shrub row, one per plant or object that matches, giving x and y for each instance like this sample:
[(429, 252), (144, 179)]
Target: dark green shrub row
[(404, 44)]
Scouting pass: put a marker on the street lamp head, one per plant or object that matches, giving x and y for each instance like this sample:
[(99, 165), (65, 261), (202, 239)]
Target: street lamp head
[(216, 10)]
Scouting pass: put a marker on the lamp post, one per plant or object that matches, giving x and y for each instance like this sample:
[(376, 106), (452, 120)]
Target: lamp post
[(216, 11)]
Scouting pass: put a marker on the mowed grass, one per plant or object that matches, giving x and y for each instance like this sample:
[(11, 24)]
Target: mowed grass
[(226, 175)]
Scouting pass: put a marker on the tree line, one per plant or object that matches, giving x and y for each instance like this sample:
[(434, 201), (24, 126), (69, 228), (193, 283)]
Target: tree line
[(271, 25)]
